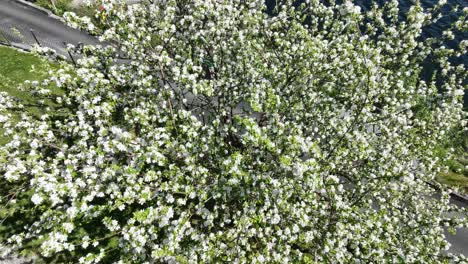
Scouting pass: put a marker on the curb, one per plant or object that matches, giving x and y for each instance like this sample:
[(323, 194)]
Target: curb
[(453, 195), (27, 49), (41, 9), (19, 47), (459, 197)]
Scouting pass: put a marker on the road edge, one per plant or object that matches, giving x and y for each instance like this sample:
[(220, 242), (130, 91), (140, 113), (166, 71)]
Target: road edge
[(459, 197), (453, 195)]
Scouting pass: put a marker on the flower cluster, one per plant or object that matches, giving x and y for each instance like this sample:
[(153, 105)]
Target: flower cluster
[(233, 134)]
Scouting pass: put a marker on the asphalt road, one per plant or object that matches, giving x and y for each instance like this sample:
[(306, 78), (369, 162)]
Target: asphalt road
[(460, 240), (17, 21)]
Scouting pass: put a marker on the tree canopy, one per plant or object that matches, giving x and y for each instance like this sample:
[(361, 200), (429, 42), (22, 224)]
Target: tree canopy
[(229, 134)]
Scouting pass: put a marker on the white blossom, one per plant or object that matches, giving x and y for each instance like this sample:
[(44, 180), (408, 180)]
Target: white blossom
[(231, 135), (37, 199)]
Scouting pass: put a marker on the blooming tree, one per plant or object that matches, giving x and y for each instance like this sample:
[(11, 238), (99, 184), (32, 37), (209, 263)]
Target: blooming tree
[(230, 134)]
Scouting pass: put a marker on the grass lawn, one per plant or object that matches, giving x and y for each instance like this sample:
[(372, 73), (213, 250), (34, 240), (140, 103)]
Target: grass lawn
[(17, 67), (62, 6), (454, 179), (457, 175)]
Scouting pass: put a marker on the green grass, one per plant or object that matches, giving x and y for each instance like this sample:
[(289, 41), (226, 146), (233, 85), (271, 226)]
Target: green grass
[(457, 174), (15, 68), (62, 6), (454, 179)]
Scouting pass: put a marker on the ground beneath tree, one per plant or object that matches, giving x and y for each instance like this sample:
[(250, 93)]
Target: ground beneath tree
[(77, 3)]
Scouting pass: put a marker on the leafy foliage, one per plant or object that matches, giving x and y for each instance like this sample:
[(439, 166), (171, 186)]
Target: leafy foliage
[(233, 135)]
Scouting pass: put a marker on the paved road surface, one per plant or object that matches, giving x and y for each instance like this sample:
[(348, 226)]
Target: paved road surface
[(17, 21), (460, 240)]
